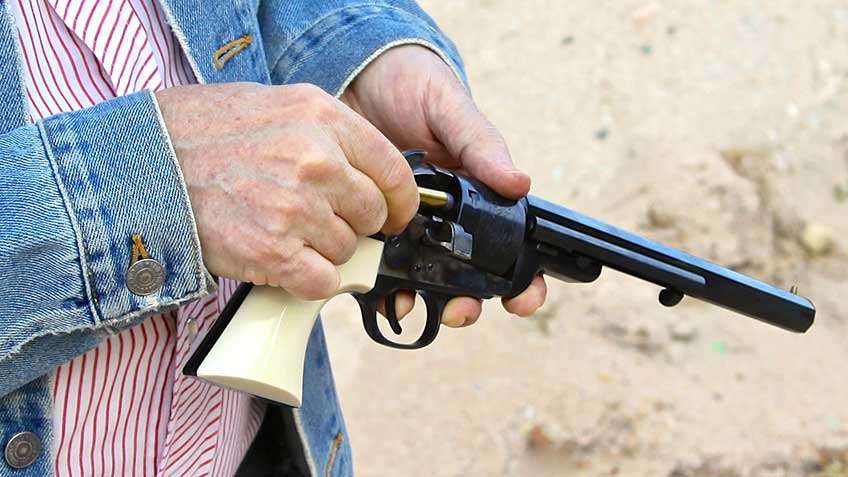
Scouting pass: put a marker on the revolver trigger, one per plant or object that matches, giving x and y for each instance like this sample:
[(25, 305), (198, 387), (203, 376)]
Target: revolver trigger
[(391, 313)]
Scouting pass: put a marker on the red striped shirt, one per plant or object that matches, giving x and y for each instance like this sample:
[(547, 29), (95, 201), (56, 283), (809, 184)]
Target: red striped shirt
[(125, 408)]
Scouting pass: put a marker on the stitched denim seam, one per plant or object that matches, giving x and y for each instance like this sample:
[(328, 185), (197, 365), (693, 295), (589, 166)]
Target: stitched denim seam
[(47, 434), (374, 10), (332, 385), (183, 41), (307, 451), (19, 63), (81, 248)]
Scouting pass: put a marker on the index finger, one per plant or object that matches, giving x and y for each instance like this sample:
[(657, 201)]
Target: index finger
[(368, 151)]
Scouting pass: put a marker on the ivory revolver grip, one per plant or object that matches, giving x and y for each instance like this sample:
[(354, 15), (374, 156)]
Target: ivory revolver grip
[(261, 349)]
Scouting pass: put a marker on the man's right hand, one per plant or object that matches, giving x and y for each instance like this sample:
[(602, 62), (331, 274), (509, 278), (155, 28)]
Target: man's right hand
[(282, 179)]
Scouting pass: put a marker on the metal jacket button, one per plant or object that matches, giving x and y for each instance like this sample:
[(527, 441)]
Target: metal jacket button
[(145, 277), (22, 449)]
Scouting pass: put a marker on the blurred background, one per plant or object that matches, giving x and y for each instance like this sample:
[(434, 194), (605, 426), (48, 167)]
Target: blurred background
[(716, 126)]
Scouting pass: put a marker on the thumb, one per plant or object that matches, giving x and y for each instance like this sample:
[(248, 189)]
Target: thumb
[(471, 139)]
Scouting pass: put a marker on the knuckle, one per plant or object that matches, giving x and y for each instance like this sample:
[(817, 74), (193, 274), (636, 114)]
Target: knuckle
[(336, 242), (252, 275), (374, 212), (396, 173), (493, 142), (345, 248), (272, 280), (303, 91), (308, 279), (269, 250), (308, 89), (317, 165), (288, 209), (311, 168), (365, 209), (317, 101), (485, 140)]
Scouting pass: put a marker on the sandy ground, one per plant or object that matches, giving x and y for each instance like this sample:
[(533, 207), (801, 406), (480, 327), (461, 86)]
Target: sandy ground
[(716, 126)]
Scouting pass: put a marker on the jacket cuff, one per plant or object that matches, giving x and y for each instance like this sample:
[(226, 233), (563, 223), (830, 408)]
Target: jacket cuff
[(119, 176), (338, 47)]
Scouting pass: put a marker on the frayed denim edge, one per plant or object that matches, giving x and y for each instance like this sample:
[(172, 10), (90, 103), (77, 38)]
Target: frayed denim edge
[(86, 276)]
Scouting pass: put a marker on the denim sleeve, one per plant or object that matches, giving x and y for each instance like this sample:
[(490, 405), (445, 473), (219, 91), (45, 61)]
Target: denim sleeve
[(329, 42), (75, 188)]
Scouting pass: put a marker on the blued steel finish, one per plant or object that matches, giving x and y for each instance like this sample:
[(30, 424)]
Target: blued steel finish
[(483, 245), (670, 268)]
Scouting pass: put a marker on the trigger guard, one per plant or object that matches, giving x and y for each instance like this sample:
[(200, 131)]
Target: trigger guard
[(368, 306), (435, 303)]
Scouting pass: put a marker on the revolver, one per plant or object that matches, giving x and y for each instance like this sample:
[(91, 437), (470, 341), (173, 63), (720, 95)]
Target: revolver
[(466, 240)]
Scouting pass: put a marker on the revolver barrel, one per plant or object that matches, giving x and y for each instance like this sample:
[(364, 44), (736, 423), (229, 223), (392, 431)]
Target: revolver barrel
[(677, 272)]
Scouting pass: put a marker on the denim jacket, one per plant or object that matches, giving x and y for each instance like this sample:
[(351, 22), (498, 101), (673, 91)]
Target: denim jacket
[(75, 187)]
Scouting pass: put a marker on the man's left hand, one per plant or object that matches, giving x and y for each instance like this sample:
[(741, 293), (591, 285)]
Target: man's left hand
[(414, 98)]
